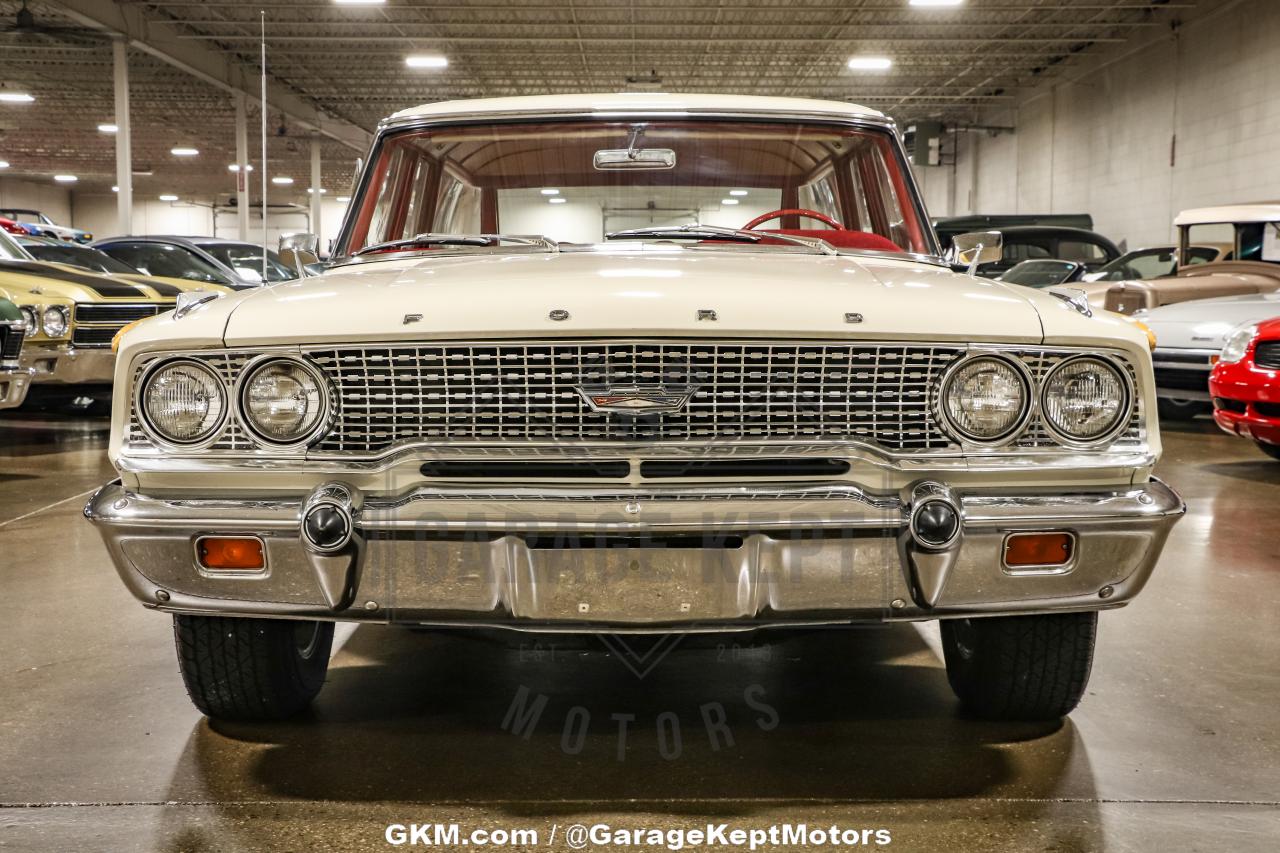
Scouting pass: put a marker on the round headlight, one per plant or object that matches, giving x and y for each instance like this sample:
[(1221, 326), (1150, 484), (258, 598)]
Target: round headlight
[(54, 321), (29, 321), (284, 401), (1085, 399), (183, 402), (986, 399)]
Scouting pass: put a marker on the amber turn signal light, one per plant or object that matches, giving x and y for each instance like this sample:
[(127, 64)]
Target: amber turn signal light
[(241, 554), (1022, 550)]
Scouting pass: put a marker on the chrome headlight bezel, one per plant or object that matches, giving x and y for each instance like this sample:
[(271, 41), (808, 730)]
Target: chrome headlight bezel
[(64, 317), (144, 415), (1124, 410), (1019, 425), (30, 318), (324, 422)]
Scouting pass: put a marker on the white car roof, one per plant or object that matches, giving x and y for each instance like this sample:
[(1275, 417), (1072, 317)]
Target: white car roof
[(637, 101), (1263, 212)]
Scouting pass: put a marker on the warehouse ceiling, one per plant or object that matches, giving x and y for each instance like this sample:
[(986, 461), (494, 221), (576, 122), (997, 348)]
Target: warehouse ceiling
[(348, 61)]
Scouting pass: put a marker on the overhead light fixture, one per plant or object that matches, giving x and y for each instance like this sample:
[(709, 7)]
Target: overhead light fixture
[(426, 61), (65, 179), (108, 128), (235, 167), (359, 2), (310, 191), (343, 199), (549, 191), (737, 192), (144, 172), (282, 180), (115, 189), (4, 164), (16, 97), (182, 151), (935, 3), (168, 197), (870, 63), (558, 200), (729, 201)]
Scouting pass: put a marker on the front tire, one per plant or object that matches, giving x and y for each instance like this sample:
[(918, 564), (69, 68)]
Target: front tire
[(252, 669), (1020, 667), (1179, 410), (1272, 450)]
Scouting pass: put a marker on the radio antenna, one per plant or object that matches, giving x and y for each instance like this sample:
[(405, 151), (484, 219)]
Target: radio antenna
[(264, 146)]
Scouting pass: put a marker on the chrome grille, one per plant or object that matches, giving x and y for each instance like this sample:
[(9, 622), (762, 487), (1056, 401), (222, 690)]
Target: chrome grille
[(11, 337), (879, 394), (98, 312)]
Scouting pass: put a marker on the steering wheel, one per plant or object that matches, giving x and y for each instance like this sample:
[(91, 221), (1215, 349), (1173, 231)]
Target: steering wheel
[(794, 211)]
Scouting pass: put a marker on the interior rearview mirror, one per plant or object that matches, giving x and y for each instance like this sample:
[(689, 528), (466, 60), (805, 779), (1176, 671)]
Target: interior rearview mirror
[(976, 248), (619, 159)]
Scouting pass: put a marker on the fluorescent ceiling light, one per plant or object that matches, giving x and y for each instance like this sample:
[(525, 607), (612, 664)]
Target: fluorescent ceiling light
[(4, 164), (729, 201), (870, 63), (549, 191), (359, 2), (65, 179), (282, 180), (16, 98), (426, 61), (115, 189), (312, 192), (737, 192), (108, 128), (235, 167), (558, 200), (344, 198), (182, 151), (935, 3), (168, 197)]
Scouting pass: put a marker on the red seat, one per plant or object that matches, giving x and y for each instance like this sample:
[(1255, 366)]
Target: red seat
[(841, 239)]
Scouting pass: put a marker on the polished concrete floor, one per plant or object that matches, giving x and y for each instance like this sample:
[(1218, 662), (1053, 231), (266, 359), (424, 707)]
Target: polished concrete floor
[(1176, 746)]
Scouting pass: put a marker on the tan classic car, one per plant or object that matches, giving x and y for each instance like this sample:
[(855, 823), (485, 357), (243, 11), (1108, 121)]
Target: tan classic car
[(658, 364), (1254, 232)]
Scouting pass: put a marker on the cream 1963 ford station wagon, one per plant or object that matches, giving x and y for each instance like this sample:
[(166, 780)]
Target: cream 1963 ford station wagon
[(636, 363)]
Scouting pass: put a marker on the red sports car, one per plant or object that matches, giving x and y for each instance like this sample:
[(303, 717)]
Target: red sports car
[(1245, 385)]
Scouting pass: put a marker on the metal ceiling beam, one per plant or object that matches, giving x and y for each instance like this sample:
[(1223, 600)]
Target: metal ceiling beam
[(628, 40), (208, 64)]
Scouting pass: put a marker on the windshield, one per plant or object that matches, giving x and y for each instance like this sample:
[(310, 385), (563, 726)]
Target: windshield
[(1148, 263), (1040, 273), (10, 250), (578, 181), (79, 256), (246, 260)]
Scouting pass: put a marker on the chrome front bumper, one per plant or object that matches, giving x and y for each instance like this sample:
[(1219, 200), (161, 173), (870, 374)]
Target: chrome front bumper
[(14, 383), (676, 558), (65, 364)]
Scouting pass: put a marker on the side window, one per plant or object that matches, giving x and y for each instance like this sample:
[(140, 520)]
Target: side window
[(1016, 253), (819, 196), (1078, 250), (1201, 255), (458, 209)]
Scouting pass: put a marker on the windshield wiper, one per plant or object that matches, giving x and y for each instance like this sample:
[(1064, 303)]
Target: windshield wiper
[(717, 232), (429, 239)]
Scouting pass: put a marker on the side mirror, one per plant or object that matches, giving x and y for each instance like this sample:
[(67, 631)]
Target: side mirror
[(299, 250), (977, 248)]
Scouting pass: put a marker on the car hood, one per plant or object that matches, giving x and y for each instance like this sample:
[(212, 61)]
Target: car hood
[(637, 291), (74, 283), (1206, 323)]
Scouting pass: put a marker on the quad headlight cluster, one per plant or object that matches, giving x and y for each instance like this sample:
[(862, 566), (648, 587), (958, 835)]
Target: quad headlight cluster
[(282, 402), (989, 399)]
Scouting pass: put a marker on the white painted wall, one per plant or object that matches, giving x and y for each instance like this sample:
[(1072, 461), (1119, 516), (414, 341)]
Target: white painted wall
[(1103, 142), (43, 195)]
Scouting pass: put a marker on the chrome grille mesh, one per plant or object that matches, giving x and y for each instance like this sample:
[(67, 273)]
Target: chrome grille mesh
[(879, 394), (524, 394)]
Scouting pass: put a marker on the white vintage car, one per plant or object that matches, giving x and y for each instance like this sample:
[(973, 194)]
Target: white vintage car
[(1189, 337), (557, 377)]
